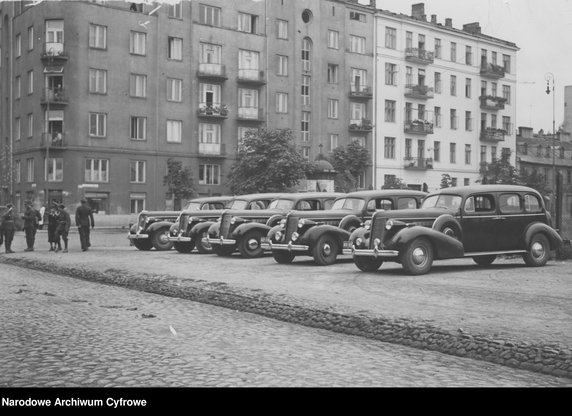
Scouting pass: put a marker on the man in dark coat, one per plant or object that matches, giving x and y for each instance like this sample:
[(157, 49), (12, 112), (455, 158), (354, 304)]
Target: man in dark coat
[(31, 220), (63, 228), (8, 227), (53, 214), (83, 220)]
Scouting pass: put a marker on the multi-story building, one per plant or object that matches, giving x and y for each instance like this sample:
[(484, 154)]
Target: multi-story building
[(96, 96), (445, 99)]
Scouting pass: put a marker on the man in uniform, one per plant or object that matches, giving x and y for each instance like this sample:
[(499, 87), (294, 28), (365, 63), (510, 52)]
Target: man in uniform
[(31, 218), (83, 220), (8, 227), (63, 228)]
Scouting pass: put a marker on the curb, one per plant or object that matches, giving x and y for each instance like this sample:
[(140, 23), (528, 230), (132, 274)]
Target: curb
[(551, 359)]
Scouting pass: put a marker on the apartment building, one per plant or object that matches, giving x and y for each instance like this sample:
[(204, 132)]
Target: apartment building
[(445, 100), (98, 95)]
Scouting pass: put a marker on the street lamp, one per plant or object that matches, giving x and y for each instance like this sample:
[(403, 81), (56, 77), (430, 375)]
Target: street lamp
[(549, 77)]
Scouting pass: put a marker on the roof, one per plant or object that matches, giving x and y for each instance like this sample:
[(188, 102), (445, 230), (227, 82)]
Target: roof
[(213, 198), (382, 192), (465, 190)]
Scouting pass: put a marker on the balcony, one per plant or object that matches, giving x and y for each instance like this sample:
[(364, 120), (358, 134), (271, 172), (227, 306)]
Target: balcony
[(420, 56), (212, 149), (214, 72), (212, 110), (491, 134), (419, 91), (360, 126), (54, 52), (360, 92), (418, 127), (54, 97), (54, 140), (250, 114), (492, 71), (251, 76), (489, 102), (418, 163)]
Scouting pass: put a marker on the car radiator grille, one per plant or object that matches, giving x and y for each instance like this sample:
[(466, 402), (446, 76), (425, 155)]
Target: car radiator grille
[(225, 225), (184, 221), (291, 226), (377, 230)]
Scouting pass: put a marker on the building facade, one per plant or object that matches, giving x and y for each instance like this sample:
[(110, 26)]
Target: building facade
[(445, 100)]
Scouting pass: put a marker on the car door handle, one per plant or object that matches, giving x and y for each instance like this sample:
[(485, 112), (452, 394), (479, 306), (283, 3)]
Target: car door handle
[(499, 218)]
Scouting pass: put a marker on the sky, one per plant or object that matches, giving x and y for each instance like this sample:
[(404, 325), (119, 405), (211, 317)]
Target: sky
[(542, 29)]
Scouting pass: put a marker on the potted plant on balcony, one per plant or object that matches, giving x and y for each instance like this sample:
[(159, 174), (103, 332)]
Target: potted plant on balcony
[(223, 110)]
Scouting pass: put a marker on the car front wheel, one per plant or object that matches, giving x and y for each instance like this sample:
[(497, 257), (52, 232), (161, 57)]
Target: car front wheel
[(249, 246), (325, 251), (161, 241), (538, 251), (418, 257), (367, 264), (203, 247)]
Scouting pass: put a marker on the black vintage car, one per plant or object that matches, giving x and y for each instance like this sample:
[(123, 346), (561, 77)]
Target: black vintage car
[(152, 227), (480, 222), (191, 226), (247, 230), (323, 234)]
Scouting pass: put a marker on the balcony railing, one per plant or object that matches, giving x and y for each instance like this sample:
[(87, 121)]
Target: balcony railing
[(54, 51), (420, 163), (212, 71), (212, 149), (54, 140), (420, 56), (492, 70), (418, 127), (360, 91), (56, 96), (251, 76), (249, 113), (419, 91), (489, 102), (363, 125), (213, 110), (491, 134)]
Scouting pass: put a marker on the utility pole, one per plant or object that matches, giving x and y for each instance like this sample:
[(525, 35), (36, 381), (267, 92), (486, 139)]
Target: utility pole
[(550, 77)]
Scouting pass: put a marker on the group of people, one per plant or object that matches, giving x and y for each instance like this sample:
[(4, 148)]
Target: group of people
[(59, 223)]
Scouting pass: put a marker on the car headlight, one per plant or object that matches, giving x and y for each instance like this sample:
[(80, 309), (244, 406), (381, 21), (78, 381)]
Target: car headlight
[(376, 242), (301, 223), (388, 225), (367, 224), (359, 241), (278, 236), (295, 236), (233, 220), (219, 219), (283, 222)]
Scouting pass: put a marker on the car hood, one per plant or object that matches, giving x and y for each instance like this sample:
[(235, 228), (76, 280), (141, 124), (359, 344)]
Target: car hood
[(246, 213), (407, 214), (327, 213)]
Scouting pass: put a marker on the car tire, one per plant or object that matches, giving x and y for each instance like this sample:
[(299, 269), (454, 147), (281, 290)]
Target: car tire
[(325, 251), (184, 247), (538, 251), (160, 240), (367, 264), (223, 251), (143, 245), (283, 257), (448, 225), (249, 245), (484, 261), (202, 247), (417, 258)]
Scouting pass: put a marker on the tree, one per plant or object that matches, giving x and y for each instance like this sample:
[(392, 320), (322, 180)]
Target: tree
[(267, 161), (179, 182), (349, 162), (534, 180), (446, 180), (394, 183), (499, 171)]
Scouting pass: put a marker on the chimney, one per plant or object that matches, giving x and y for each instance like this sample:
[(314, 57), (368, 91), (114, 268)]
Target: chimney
[(448, 22), (433, 18), (418, 11), (473, 28)]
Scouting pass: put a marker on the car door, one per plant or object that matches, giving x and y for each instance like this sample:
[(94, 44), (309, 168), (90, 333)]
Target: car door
[(478, 223), (512, 220)]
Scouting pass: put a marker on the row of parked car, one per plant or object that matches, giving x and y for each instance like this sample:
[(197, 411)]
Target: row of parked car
[(410, 227)]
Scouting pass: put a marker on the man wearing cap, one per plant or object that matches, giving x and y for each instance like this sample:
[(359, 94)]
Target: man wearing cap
[(31, 219), (83, 220), (63, 228), (8, 227)]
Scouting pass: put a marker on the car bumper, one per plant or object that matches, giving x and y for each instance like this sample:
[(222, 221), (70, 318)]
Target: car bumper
[(367, 252), (288, 247), (219, 241), (179, 239), (138, 236)]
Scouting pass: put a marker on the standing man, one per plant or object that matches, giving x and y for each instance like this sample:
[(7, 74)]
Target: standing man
[(83, 220), (53, 215), (8, 227), (63, 228), (31, 218)]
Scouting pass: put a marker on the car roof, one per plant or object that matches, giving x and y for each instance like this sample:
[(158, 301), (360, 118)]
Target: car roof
[(212, 198), (471, 189), (262, 195), (385, 192), (307, 195)]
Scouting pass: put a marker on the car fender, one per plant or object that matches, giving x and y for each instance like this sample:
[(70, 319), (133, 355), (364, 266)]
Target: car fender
[(448, 219), (274, 220), (249, 226), (445, 246), (350, 220), (200, 228), (538, 227), (359, 232), (158, 226), (311, 236), (133, 228), (272, 232)]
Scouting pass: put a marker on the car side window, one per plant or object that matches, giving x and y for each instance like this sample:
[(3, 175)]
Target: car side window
[(470, 204), (406, 203), (305, 205), (257, 205), (328, 203), (510, 203), (483, 203), (531, 203)]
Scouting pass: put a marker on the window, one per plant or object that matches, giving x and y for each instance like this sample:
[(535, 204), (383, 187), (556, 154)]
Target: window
[(360, 17), (468, 55), (390, 74), (506, 125), (281, 102), (509, 203), (97, 36), (137, 203), (247, 22), (210, 53), (30, 125), (437, 151), (334, 142), (138, 43), (17, 129), (494, 89), (174, 90), (357, 112), (493, 154), (408, 145), (209, 174), (18, 45), (468, 87), (97, 124), (282, 66), (55, 169), (282, 29), (506, 93), (97, 81), (453, 52), (305, 90), (306, 152), (389, 148), (494, 121), (453, 119), (453, 181), (17, 171), (333, 108), (306, 54), (305, 126), (18, 87), (483, 157), (209, 15), (437, 112), (30, 81), (175, 48), (437, 83), (437, 48), (531, 203), (96, 170), (333, 39), (468, 121), (494, 57), (467, 154), (506, 63), (408, 76), (466, 181), (332, 73), (174, 131), (248, 64), (31, 38), (453, 153), (453, 85), (357, 44), (30, 168), (138, 85), (138, 130), (176, 10), (390, 37), (209, 134), (390, 111), (408, 40)]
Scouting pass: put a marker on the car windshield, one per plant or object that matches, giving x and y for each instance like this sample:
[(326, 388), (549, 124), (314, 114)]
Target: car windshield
[(281, 204), (442, 201), (353, 204), (193, 206)]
